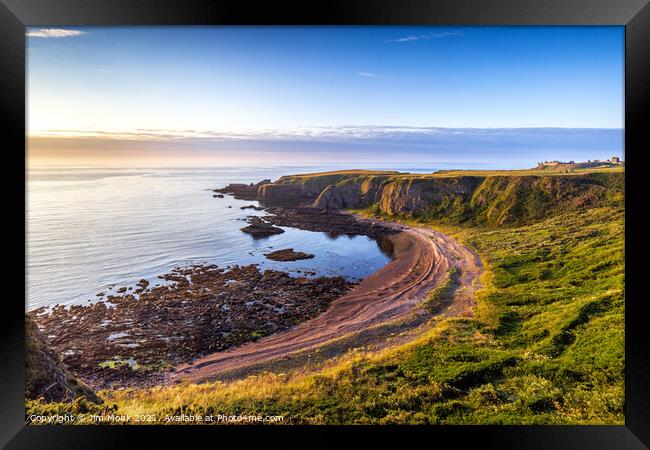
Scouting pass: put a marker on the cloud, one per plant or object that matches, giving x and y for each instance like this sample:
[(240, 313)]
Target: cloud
[(465, 147), (405, 39), (53, 33), (367, 74), (417, 37), (339, 134)]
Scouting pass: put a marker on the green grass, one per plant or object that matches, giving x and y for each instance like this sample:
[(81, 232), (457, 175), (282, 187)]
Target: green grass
[(545, 345)]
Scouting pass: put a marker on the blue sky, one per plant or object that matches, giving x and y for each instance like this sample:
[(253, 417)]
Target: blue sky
[(296, 87)]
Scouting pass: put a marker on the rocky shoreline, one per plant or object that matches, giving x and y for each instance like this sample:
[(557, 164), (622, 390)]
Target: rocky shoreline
[(134, 339), (136, 336), (333, 223)]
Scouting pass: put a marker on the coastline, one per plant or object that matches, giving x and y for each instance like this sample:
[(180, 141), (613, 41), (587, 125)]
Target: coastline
[(422, 261), (212, 322), (413, 323)]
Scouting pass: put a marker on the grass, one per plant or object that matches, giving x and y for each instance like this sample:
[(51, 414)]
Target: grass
[(525, 172), (545, 345), (443, 294), (454, 173), (353, 172)]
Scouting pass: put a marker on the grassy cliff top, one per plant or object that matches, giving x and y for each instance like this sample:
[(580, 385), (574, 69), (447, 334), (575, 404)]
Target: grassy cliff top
[(347, 172), (353, 173), (526, 172), (334, 176)]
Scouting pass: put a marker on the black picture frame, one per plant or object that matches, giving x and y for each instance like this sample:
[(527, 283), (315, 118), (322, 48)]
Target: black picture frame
[(15, 15)]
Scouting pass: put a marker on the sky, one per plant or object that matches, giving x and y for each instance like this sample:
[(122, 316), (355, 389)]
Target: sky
[(469, 95)]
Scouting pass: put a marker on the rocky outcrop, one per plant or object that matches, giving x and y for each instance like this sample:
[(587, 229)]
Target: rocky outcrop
[(356, 187), (288, 254), (259, 228), (46, 376), (351, 193), (409, 195), (242, 191), (333, 223), (280, 191), (330, 198)]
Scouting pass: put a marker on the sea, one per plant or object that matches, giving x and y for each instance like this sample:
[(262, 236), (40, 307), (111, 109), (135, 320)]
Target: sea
[(92, 230)]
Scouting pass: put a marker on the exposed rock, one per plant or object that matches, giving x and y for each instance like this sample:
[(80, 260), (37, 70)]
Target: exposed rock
[(258, 228), (256, 208), (405, 196), (203, 309), (351, 193), (242, 191), (330, 198), (218, 196), (331, 222), (287, 254), (280, 191)]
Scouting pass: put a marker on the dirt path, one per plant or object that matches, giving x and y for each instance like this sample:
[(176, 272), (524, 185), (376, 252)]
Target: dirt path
[(422, 261)]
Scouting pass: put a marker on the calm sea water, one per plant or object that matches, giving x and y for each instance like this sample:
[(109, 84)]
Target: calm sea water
[(93, 230)]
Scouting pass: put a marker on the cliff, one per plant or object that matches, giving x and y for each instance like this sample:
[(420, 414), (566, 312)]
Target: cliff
[(483, 198)]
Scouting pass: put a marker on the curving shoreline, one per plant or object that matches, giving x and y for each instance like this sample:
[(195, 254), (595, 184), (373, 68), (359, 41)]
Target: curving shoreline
[(210, 323), (422, 260)]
